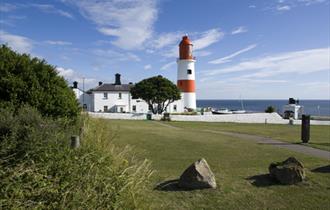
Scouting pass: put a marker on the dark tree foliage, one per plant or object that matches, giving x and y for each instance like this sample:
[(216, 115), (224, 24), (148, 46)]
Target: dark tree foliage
[(157, 91), (31, 81), (270, 109)]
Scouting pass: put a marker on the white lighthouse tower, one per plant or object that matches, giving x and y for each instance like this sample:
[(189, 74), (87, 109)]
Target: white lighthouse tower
[(186, 73)]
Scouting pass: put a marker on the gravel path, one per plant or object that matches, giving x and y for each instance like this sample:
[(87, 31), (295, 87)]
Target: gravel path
[(263, 140)]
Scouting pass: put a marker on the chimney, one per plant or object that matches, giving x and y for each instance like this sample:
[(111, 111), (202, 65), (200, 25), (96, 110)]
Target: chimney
[(100, 83), (75, 84), (117, 82)]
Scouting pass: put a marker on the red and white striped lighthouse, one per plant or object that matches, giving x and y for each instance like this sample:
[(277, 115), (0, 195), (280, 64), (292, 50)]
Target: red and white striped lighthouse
[(186, 73)]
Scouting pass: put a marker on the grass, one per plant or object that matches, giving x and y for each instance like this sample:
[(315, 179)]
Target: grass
[(319, 134), (233, 162)]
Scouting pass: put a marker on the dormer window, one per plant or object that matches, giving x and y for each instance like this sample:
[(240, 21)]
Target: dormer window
[(189, 71)]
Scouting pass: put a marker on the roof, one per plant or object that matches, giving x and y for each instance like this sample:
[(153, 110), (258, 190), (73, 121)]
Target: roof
[(113, 87)]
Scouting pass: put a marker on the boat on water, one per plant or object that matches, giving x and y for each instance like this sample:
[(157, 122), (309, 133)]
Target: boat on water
[(222, 111)]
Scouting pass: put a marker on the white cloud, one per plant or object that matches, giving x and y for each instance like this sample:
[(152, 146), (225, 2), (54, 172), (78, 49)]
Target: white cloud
[(252, 6), (129, 21), (48, 8), (298, 62), (57, 42), (116, 56), (66, 73), (6, 7), (283, 7), (147, 67), (71, 75), (19, 43), (208, 38), (168, 65), (163, 40), (200, 41), (239, 30), (229, 57)]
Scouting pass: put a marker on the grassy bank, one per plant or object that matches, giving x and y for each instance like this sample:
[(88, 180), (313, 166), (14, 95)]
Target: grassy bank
[(38, 169), (238, 165), (319, 134)]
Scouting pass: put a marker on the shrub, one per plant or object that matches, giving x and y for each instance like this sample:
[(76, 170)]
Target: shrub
[(270, 109), (38, 170), (31, 81)]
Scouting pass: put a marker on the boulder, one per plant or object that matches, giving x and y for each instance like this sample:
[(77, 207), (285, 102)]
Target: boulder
[(290, 171), (197, 176)]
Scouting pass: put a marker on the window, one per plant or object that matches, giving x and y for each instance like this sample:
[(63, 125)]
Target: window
[(105, 108), (121, 109), (134, 108), (174, 108), (189, 71), (150, 107), (119, 95), (105, 95)]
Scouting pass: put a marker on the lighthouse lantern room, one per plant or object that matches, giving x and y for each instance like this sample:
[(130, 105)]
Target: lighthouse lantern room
[(186, 73)]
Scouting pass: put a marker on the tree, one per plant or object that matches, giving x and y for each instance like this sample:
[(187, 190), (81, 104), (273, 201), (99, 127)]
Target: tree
[(270, 109), (31, 81), (158, 92)]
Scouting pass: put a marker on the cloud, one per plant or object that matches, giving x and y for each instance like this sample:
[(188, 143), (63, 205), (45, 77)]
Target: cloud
[(168, 65), (116, 56), (48, 8), (71, 75), (297, 62), (163, 40), (53, 42), (229, 57), (5, 7), (239, 30), (129, 21), (19, 43), (208, 38), (200, 41), (283, 7), (66, 73), (147, 67)]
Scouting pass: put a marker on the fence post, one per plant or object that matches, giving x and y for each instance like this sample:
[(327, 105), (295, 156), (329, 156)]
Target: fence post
[(305, 128), (75, 142)]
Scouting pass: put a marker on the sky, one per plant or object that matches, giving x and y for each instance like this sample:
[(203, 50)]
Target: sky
[(249, 49)]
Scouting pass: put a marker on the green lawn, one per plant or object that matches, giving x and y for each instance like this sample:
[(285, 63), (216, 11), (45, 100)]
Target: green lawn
[(319, 134), (232, 160)]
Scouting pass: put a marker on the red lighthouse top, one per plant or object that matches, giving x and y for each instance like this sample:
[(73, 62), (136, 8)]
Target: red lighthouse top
[(185, 48)]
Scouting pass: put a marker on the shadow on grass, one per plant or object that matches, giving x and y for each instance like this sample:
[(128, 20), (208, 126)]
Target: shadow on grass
[(262, 180), (170, 185), (322, 169)]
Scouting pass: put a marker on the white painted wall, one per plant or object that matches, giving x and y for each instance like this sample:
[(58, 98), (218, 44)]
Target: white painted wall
[(83, 98)]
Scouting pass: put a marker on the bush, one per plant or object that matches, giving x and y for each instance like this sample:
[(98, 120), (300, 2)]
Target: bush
[(270, 109), (38, 170), (31, 81)]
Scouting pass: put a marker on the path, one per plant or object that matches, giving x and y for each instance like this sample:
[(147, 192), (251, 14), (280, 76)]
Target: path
[(263, 140)]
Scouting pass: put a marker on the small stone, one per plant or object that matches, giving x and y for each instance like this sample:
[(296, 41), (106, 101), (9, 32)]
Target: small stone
[(290, 171), (197, 176)]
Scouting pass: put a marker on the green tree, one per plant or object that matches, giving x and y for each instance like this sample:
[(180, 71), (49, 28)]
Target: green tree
[(158, 92), (270, 109), (31, 81)]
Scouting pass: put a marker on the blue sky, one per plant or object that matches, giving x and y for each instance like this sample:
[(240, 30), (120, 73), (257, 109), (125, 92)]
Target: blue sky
[(255, 49)]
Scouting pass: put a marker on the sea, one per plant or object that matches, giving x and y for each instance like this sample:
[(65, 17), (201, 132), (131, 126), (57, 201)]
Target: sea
[(311, 107)]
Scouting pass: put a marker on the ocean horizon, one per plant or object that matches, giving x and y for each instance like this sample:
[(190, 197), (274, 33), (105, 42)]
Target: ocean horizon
[(311, 106)]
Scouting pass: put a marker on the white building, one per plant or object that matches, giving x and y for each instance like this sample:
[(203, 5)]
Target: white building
[(293, 109), (115, 97)]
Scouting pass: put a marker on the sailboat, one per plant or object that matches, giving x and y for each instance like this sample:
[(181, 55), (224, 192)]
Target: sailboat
[(239, 111)]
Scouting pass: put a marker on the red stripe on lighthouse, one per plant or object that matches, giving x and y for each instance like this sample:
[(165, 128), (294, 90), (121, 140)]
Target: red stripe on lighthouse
[(186, 85)]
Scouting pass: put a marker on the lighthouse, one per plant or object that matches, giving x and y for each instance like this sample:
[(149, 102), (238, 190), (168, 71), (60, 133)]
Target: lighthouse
[(186, 73)]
